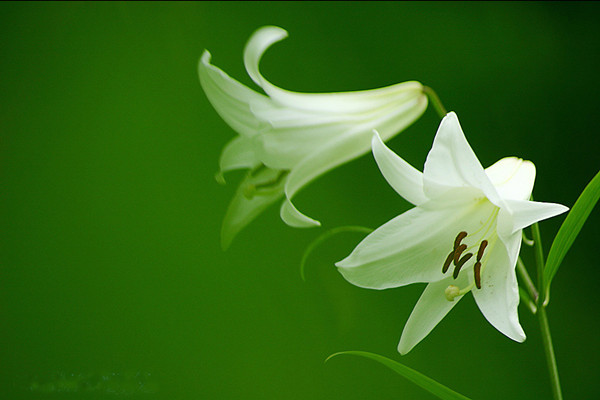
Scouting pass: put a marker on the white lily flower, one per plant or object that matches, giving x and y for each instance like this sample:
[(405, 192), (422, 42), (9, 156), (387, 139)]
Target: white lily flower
[(292, 138), (464, 235)]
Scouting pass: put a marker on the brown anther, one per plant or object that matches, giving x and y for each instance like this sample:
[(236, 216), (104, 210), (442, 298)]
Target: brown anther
[(477, 271), (482, 247), (460, 263), (458, 252), (459, 238), (447, 262)]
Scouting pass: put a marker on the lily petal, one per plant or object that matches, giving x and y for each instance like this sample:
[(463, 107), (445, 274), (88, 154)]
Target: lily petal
[(413, 246), (238, 154), (334, 154), (498, 298), (512, 177), (293, 134), (520, 214), (344, 102), (406, 180), (344, 148), (431, 308), (452, 163), (242, 209), (230, 98)]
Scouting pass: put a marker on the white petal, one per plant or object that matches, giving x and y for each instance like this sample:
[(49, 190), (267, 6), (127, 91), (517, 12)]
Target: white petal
[(259, 42), (238, 154), (283, 146), (452, 163), (406, 180), (243, 210), (413, 246), (519, 214), (344, 102), (230, 98), (291, 216), (512, 177), (334, 154), (428, 312), (498, 297)]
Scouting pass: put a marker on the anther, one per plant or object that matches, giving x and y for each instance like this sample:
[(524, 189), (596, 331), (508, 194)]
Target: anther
[(459, 238), (447, 262), (451, 292), (220, 178), (458, 252), (482, 247), (460, 263), (477, 271), (249, 191)]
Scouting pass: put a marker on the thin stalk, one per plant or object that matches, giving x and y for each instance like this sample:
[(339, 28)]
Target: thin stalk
[(527, 241), (435, 101), (543, 318), (549, 349), (525, 299), (531, 289)]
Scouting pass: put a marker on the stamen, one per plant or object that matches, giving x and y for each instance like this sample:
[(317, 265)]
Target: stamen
[(459, 238), (451, 292), (447, 262), (477, 271), (265, 187), (459, 265), (274, 181), (482, 247), (249, 191), (458, 252)]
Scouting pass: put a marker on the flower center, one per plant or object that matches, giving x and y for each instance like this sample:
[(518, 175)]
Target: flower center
[(459, 258)]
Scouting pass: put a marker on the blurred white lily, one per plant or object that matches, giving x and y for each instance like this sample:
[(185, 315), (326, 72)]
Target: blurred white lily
[(464, 235), (288, 139)]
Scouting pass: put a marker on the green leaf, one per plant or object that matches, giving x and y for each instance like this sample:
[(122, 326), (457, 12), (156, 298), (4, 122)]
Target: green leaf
[(569, 230), (415, 377), (324, 236)]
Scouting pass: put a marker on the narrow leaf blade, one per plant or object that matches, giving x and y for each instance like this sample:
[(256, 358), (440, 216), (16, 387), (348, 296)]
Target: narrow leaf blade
[(417, 378), (569, 230)]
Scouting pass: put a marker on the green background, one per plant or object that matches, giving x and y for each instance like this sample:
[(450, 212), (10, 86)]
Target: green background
[(111, 271)]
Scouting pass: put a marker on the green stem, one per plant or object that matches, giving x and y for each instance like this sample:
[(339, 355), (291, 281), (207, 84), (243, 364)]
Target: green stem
[(539, 258), (522, 270), (543, 318), (526, 299), (550, 358), (435, 101), (325, 236)]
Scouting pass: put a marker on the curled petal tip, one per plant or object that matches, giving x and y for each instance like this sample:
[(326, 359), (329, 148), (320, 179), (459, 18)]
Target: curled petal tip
[(205, 58), (271, 30)]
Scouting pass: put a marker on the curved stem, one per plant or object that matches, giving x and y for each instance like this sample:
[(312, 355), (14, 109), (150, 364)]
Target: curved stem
[(325, 236), (543, 318), (435, 101), (522, 270), (539, 259)]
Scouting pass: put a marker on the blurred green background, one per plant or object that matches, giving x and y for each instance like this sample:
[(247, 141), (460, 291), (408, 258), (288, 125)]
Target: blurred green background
[(112, 280)]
